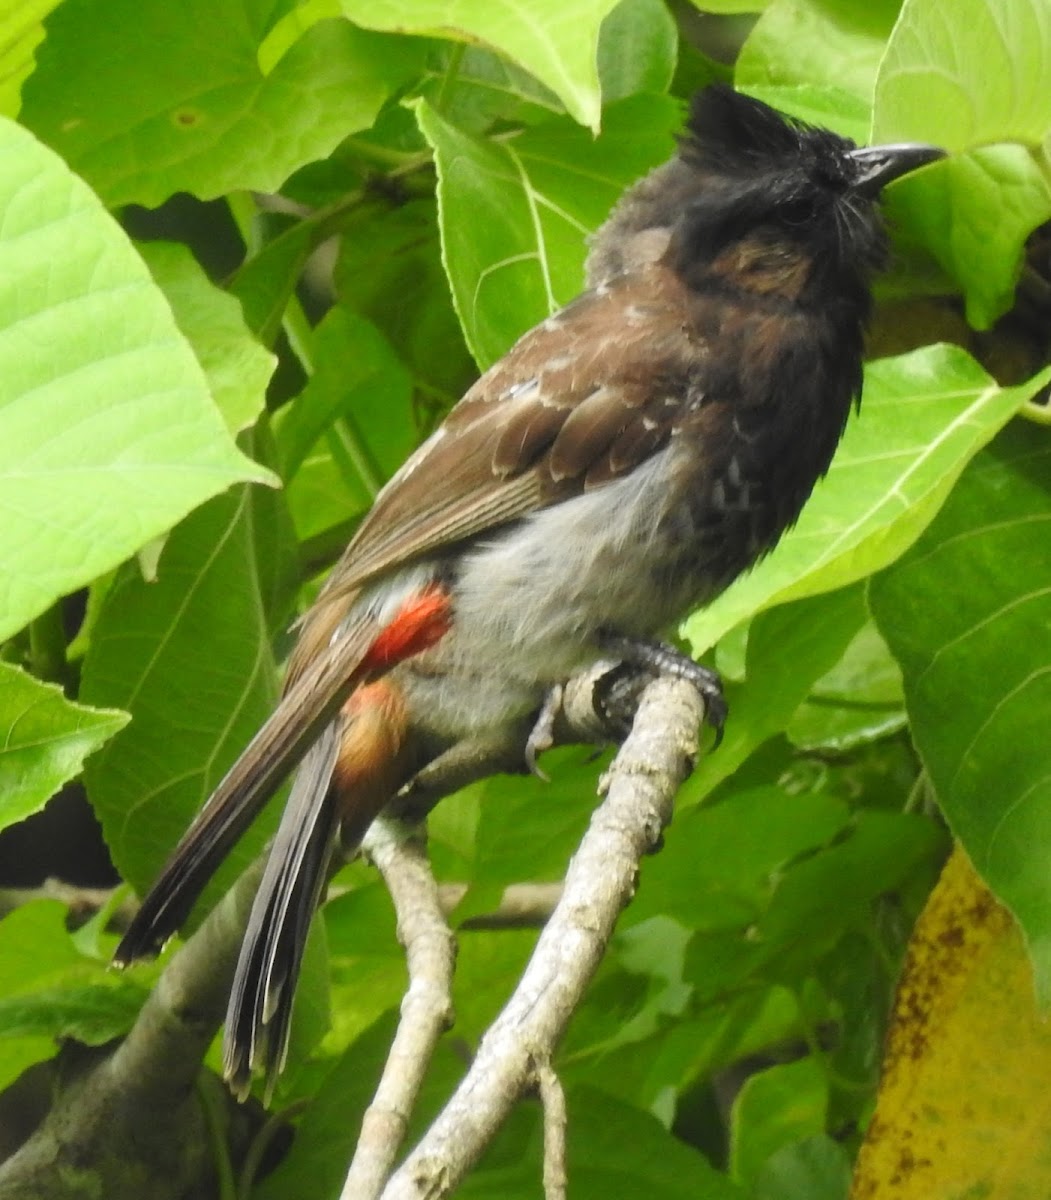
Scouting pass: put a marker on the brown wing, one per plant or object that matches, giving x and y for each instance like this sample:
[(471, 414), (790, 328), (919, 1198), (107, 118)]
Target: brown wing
[(571, 406)]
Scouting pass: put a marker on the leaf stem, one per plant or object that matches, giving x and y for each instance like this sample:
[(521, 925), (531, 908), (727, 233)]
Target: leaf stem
[(914, 801), (300, 334), (351, 457), (452, 70), (47, 645), (1039, 412), (243, 210), (211, 1105)]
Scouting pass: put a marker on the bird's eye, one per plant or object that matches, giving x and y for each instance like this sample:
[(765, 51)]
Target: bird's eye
[(800, 211)]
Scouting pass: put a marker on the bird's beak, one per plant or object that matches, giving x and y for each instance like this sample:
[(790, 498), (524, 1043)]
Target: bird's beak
[(879, 165)]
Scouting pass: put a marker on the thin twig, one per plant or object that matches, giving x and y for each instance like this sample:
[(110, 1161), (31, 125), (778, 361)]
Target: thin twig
[(426, 1010), (553, 1101)]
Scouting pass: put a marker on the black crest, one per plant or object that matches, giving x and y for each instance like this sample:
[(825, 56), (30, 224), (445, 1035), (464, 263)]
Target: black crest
[(730, 133)]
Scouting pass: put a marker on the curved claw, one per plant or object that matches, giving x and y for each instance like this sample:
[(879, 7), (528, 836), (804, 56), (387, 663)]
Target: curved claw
[(663, 659), (542, 735), (715, 712)]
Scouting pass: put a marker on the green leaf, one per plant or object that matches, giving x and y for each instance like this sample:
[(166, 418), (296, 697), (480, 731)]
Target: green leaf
[(366, 961), (533, 200), (265, 282), (360, 385), (964, 81), (830, 46), (637, 49), (325, 493), (44, 739), (390, 271), (555, 40), (237, 367), (528, 828), (967, 614), (814, 1168), (966, 75), (788, 650), (974, 213), (859, 700), (93, 1014), (326, 1135), (683, 1044), (490, 91), (848, 113), (875, 854), (189, 657), (312, 1008), (489, 964), (881, 850), (145, 98), (35, 947), (21, 31), (748, 840), (618, 1150), (924, 416), (773, 1109), (277, 558), (48, 989), (730, 7), (98, 390)]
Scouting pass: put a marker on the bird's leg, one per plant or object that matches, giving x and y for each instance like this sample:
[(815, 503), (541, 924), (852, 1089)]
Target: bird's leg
[(617, 692), (614, 689), (462, 763)]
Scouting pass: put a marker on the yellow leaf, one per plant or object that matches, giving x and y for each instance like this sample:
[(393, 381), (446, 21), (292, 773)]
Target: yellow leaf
[(964, 1106)]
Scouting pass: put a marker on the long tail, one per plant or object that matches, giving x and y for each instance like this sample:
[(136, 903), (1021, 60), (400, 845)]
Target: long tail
[(302, 713), (361, 653), (346, 778), (260, 1011)]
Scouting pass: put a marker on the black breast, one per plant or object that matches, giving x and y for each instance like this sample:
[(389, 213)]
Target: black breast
[(769, 394)]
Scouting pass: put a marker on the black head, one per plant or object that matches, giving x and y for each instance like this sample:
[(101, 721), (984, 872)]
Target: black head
[(762, 178)]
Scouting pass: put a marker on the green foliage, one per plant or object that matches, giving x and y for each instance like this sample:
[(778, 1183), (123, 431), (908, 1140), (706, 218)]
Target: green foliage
[(47, 739), (450, 161), (53, 985), (926, 415), (966, 612), (972, 84), (189, 703)]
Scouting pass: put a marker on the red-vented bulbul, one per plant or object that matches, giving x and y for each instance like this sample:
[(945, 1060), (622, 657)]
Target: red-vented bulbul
[(624, 461)]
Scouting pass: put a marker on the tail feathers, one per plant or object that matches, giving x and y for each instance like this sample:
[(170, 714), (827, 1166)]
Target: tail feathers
[(363, 650), (259, 1016), (173, 895), (305, 708), (305, 726)]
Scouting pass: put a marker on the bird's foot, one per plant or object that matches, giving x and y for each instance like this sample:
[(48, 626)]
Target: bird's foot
[(542, 735), (617, 692)]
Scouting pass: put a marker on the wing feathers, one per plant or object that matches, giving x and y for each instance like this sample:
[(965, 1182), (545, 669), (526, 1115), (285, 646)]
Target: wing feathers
[(563, 410)]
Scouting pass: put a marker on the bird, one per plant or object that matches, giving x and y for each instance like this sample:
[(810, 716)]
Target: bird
[(622, 464)]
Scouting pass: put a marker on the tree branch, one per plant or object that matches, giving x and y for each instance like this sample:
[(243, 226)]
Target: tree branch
[(426, 1010), (639, 789), (127, 1121)]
